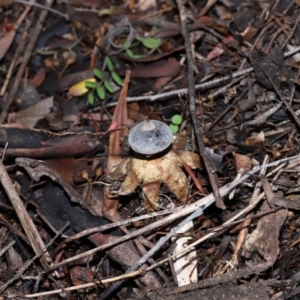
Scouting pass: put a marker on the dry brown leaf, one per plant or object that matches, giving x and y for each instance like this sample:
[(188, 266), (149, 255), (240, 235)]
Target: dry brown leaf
[(152, 172), (119, 121), (29, 116), (243, 163), (264, 239)]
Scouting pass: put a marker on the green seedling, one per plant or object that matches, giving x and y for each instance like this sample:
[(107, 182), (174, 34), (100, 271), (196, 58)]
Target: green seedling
[(176, 121), (98, 86), (103, 84), (174, 128), (149, 43)]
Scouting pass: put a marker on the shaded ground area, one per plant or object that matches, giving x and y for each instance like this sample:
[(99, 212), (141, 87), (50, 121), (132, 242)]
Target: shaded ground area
[(150, 149)]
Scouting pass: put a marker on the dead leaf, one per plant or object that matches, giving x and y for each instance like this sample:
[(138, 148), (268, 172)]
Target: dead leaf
[(39, 77), (243, 163), (264, 239), (81, 275), (29, 116)]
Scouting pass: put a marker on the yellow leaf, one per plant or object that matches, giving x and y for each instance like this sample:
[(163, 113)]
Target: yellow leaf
[(80, 88)]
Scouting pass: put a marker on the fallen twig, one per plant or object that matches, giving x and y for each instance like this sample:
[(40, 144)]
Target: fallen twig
[(209, 165), (24, 217)]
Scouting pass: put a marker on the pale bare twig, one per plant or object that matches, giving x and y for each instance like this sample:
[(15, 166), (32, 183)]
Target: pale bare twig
[(209, 165)]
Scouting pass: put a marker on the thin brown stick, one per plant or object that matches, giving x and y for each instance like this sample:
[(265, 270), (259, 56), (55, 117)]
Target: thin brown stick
[(210, 167), (86, 285), (54, 11), (292, 32), (143, 251), (113, 225), (24, 217), (287, 105)]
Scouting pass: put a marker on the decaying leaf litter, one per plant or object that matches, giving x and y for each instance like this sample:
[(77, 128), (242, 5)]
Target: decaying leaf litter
[(82, 213)]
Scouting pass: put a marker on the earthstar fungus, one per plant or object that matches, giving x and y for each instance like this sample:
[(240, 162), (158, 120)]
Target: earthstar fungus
[(152, 164), (150, 137)]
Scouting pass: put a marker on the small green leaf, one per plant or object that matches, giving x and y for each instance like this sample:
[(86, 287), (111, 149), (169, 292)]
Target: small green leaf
[(99, 74), (126, 45), (151, 43), (174, 128), (154, 29), (139, 38), (130, 53), (46, 52), (208, 259), (108, 86), (90, 85), (91, 98), (134, 56), (177, 119), (109, 63), (100, 92), (117, 79)]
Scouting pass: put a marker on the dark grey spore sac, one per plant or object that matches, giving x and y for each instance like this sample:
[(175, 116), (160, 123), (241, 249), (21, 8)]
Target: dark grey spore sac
[(150, 137)]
